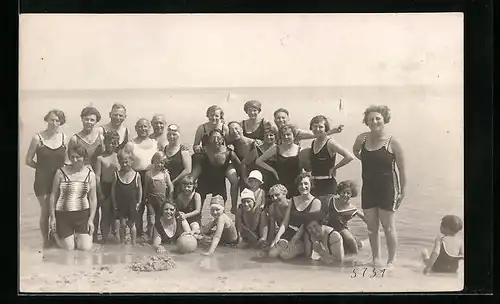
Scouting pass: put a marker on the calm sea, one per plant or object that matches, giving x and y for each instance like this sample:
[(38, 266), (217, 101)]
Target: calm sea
[(428, 121)]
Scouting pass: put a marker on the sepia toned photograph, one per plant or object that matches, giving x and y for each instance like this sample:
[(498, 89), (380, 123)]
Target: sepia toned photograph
[(185, 153)]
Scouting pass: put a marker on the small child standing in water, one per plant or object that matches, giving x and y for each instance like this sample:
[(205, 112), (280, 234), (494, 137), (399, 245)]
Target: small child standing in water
[(341, 211), (105, 168), (126, 195), (157, 188), (225, 229), (448, 248)]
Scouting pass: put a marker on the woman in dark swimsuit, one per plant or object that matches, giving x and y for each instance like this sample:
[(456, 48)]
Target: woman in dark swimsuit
[(210, 167), (322, 158), (383, 185), (253, 127), (300, 205), (323, 239), (89, 137), (178, 159), (215, 117), (286, 166), (169, 227), (48, 160)]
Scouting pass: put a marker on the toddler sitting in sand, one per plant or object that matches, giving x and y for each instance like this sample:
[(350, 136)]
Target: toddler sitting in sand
[(251, 221), (225, 229), (448, 248)]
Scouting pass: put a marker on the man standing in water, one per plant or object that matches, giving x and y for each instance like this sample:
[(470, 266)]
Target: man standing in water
[(158, 123), (117, 117)]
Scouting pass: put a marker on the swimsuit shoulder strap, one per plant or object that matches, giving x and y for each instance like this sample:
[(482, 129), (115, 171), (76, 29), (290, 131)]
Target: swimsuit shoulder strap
[(63, 140), (87, 178), (243, 126), (387, 142), (66, 177), (40, 138)]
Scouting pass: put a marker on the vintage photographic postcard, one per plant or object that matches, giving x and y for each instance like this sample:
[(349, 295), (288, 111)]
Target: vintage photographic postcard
[(241, 152)]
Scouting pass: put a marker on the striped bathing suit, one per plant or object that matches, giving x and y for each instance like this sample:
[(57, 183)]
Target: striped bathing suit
[(380, 179), (73, 194), (72, 207)]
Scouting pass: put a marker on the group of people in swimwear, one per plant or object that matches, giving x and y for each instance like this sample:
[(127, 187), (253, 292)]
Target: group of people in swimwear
[(291, 203)]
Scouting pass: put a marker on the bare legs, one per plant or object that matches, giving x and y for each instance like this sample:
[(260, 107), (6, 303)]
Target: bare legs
[(388, 220), (372, 223), (44, 218), (374, 216)]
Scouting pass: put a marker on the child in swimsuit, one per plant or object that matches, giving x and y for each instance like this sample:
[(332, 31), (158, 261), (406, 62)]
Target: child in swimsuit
[(251, 221), (254, 182), (225, 229), (126, 195), (105, 168), (157, 188), (188, 202), (340, 211), (448, 248)]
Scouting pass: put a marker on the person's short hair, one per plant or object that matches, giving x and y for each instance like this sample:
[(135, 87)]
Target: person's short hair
[(309, 217), (234, 122), (317, 119), (383, 110), (252, 104), (347, 184), (79, 149), (110, 135), (270, 128), (165, 204), (281, 110), (453, 223), (207, 139), (173, 127), (214, 108), (87, 111), (286, 127), (142, 119), (278, 188), (302, 176), (58, 113), (158, 155), (118, 106), (123, 154)]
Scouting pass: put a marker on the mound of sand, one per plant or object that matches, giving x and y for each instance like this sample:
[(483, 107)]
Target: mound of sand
[(154, 263)]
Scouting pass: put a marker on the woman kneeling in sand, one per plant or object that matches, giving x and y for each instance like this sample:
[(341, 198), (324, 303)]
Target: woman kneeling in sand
[(73, 202), (168, 227), (322, 239)]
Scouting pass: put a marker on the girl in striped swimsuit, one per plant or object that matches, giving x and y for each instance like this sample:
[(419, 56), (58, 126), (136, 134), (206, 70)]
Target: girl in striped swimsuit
[(73, 202)]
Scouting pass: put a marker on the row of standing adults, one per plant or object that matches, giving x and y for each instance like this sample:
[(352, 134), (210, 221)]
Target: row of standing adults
[(253, 143)]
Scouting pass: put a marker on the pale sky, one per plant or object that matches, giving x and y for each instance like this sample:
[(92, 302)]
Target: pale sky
[(164, 51)]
